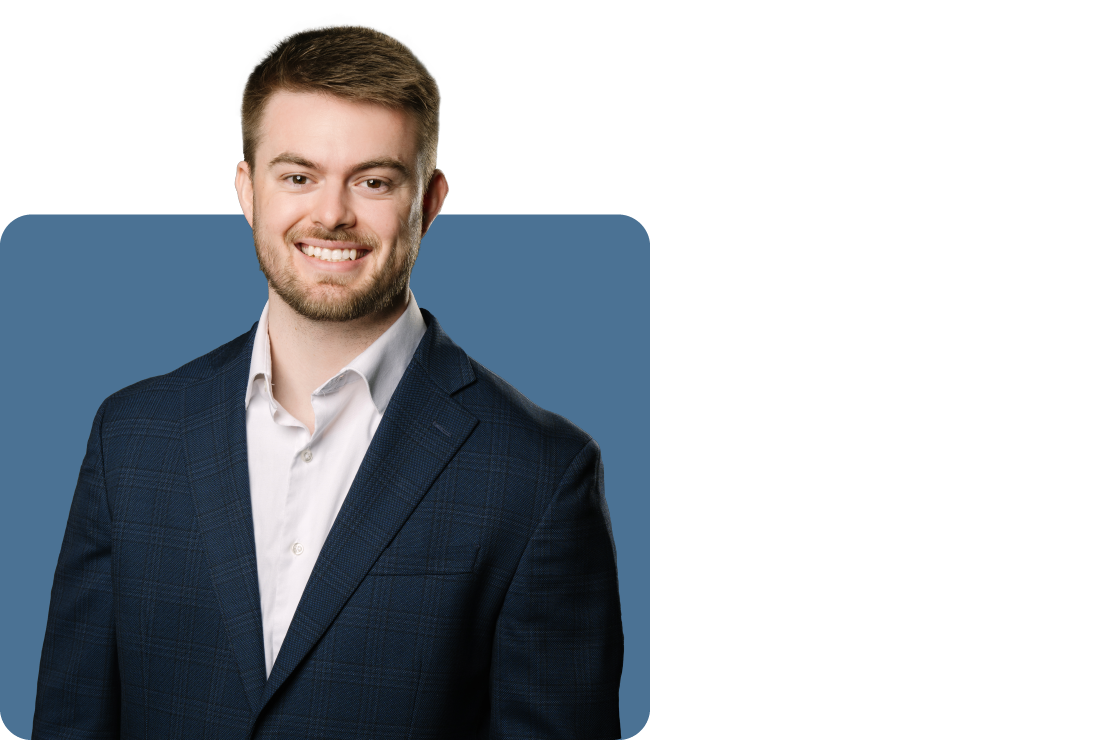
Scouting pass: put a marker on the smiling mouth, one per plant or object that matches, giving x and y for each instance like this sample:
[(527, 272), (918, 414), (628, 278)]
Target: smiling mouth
[(332, 255)]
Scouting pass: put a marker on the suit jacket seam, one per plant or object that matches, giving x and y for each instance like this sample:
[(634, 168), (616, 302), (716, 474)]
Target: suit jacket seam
[(106, 503), (541, 519)]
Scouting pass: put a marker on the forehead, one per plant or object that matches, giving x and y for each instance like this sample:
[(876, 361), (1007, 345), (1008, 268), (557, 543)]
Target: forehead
[(326, 128)]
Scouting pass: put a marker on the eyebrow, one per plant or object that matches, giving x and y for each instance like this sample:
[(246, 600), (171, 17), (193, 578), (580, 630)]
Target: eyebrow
[(370, 164)]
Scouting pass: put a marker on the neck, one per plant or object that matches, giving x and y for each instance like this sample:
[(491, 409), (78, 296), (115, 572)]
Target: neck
[(305, 353)]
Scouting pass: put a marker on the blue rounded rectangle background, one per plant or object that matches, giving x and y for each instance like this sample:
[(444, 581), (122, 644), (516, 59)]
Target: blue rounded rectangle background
[(558, 306)]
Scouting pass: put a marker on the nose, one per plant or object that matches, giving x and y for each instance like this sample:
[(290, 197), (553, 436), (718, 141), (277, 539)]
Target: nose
[(332, 209)]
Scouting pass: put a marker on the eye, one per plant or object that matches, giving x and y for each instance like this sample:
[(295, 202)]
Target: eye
[(375, 184), (298, 179)]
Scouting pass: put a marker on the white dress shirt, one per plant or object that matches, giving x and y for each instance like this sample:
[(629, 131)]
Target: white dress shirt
[(299, 481)]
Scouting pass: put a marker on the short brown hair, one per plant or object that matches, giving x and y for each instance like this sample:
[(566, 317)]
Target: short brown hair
[(353, 63)]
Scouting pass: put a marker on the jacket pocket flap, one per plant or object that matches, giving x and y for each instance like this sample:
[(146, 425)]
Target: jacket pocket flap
[(413, 561)]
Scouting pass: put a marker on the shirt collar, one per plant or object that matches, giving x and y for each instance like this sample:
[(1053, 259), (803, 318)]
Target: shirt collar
[(381, 365), (260, 363)]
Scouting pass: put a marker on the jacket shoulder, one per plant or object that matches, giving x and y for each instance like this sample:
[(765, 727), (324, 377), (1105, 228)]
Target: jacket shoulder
[(527, 426), (160, 393)]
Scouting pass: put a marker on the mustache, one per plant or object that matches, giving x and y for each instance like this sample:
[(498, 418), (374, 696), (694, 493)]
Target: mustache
[(370, 241)]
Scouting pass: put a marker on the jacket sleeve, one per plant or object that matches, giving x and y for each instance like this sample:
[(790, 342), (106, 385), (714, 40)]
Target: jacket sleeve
[(558, 644), (79, 686)]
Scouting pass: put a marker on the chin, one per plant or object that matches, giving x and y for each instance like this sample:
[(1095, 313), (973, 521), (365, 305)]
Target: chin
[(329, 302)]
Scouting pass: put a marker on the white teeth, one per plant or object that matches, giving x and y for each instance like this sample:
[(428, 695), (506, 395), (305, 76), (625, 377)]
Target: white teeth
[(332, 255)]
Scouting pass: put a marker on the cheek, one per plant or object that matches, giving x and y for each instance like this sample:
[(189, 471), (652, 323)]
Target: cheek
[(277, 214), (389, 220)]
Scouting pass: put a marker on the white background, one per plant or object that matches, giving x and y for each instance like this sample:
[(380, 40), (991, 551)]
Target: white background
[(882, 423)]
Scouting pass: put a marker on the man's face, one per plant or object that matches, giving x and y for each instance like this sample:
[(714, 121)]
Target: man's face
[(334, 177)]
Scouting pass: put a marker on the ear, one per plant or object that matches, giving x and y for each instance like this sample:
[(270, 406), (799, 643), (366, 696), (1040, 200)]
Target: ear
[(246, 191), (435, 194)]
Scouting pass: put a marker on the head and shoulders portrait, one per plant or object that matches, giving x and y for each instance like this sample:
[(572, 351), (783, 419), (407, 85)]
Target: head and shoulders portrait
[(338, 519)]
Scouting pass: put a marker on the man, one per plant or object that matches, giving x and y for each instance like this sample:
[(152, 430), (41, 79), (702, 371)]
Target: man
[(338, 524)]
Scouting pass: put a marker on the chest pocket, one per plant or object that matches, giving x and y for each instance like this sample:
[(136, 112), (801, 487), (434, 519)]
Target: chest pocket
[(416, 561)]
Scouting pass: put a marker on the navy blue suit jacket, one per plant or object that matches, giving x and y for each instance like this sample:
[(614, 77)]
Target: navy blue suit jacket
[(468, 587)]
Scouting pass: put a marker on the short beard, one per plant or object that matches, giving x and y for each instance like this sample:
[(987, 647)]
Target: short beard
[(385, 292)]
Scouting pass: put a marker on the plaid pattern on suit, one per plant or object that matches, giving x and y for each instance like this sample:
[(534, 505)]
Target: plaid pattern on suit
[(467, 589)]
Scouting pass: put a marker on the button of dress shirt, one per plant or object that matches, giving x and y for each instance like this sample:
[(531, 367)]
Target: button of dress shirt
[(297, 548), (307, 455)]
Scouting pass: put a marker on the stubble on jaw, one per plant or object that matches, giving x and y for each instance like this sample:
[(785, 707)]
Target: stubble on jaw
[(331, 297)]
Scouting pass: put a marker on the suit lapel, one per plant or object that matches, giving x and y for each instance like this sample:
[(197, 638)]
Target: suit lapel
[(214, 434), (422, 430)]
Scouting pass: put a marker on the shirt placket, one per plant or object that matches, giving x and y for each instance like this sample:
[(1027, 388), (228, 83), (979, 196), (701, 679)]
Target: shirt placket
[(299, 540), (285, 602)]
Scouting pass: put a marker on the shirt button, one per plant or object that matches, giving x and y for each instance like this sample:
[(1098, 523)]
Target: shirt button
[(307, 455), (297, 548)]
